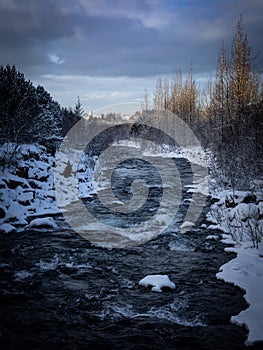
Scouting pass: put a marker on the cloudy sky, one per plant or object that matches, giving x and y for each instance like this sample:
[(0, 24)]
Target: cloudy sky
[(109, 51)]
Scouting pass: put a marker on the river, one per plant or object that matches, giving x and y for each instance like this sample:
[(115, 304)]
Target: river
[(59, 290)]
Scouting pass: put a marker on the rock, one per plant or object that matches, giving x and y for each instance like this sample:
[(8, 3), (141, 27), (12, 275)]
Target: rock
[(12, 184), (157, 282), (47, 222), (34, 184), (22, 172), (2, 213), (249, 198)]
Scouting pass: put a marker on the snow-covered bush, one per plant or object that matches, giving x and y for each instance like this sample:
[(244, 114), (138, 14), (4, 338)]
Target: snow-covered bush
[(238, 213)]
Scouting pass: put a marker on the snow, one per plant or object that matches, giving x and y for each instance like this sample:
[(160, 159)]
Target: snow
[(43, 222), (239, 215), (246, 271), (194, 154), (27, 185), (212, 237), (199, 187), (157, 282), (7, 228), (25, 192), (186, 225)]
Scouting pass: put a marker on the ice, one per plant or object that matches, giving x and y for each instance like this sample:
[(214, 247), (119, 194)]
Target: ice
[(43, 222), (157, 282)]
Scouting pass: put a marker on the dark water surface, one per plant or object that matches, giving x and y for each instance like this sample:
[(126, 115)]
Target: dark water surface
[(57, 291)]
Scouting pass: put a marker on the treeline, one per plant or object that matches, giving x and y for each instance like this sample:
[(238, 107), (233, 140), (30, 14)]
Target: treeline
[(28, 114), (227, 114)]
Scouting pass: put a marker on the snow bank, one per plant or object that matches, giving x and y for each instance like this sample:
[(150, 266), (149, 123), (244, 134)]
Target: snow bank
[(157, 282), (246, 271), (239, 215)]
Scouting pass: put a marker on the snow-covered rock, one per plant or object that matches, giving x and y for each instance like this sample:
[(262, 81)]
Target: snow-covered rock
[(43, 222), (7, 228), (212, 237), (186, 225), (157, 282), (27, 184)]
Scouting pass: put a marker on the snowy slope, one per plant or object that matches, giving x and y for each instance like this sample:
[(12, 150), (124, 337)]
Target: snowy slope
[(27, 185)]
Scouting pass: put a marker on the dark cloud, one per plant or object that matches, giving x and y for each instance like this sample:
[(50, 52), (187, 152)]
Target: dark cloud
[(136, 38), (24, 23)]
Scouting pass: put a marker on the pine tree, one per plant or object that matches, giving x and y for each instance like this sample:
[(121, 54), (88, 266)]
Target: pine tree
[(78, 111), (18, 106)]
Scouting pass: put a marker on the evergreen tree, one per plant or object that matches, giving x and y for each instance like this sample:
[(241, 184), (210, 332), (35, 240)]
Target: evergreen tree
[(78, 111), (18, 106)]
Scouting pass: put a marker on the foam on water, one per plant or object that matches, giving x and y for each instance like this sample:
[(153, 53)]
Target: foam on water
[(181, 247), (22, 275)]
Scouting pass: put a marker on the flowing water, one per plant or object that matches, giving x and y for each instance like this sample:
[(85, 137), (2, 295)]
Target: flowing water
[(60, 291)]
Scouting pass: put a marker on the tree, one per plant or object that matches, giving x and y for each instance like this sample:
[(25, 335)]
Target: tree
[(235, 110), (78, 111), (18, 106), (237, 84), (158, 96), (27, 114), (166, 97), (145, 102), (48, 125)]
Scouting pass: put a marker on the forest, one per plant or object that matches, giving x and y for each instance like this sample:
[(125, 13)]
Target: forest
[(226, 114)]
